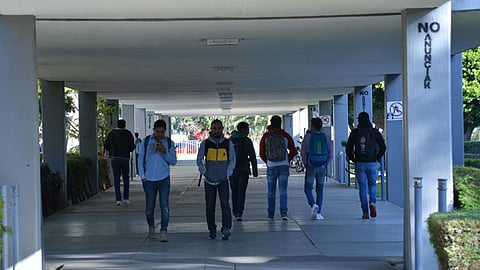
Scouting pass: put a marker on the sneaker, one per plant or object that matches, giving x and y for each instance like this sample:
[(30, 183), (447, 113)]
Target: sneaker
[(226, 234), (314, 212), (239, 218), (126, 202), (319, 216), (212, 235), (163, 236), (151, 233), (119, 203), (373, 210), (270, 217), (285, 217), (365, 216)]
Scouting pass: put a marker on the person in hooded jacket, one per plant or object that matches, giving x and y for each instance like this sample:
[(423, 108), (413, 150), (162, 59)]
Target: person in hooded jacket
[(245, 155), (365, 147), (216, 161)]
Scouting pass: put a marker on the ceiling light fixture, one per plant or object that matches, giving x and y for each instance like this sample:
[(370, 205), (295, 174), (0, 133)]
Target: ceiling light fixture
[(224, 68), (222, 41)]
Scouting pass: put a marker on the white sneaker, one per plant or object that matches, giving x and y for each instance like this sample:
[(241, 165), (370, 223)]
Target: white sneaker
[(313, 214), (126, 202), (319, 216), (119, 203)]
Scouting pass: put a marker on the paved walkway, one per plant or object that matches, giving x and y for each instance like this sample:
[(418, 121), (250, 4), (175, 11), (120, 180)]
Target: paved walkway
[(97, 234)]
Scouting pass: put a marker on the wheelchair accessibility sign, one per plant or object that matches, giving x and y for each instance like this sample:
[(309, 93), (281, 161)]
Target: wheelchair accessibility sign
[(394, 110)]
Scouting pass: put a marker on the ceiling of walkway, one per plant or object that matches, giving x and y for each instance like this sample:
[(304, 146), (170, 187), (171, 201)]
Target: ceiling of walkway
[(155, 54)]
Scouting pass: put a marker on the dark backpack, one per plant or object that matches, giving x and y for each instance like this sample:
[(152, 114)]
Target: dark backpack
[(317, 149), (275, 147), (145, 144), (365, 146)]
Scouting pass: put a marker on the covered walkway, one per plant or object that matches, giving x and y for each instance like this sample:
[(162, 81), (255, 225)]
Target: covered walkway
[(96, 234)]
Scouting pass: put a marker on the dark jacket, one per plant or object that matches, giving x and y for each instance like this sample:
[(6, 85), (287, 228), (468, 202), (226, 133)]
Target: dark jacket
[(119, 143), (246, 155), (352, 152)]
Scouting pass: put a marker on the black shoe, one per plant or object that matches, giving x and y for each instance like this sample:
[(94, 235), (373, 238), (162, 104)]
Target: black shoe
[(212, 235), (226, 234), (239, 218)]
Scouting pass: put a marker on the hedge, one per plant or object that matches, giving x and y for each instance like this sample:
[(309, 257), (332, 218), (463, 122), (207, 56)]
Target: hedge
[(466, 188)]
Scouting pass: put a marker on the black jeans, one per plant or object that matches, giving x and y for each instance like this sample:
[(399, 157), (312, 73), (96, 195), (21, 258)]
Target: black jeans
[(238, 184), (211, 200)]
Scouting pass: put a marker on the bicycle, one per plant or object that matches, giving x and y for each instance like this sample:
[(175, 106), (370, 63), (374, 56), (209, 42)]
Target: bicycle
[(296, 162)]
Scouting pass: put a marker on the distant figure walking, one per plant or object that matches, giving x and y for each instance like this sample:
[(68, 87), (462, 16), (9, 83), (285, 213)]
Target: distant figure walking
[(138, 145), (216, 161), (276, 150), (365, 146), (119, 144), (244, 156), (316, 155)]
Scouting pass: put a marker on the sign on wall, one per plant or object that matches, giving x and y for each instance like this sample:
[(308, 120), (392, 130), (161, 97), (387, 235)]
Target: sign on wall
[(326, 120), (394, 111)]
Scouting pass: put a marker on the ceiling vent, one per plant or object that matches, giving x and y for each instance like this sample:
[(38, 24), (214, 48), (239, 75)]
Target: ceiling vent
[(222, 41)]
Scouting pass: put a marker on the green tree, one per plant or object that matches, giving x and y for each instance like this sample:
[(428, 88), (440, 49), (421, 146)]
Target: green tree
[(471, 91)]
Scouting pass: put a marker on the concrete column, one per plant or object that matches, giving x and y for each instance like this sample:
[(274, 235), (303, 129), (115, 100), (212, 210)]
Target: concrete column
[(312, 112), (457, 111), (340, 125), (304, 122), (111, 117), (54, 139), (150, 121), (87, 102), (394, 139), (20, 164), (287, 123), (296, 126), (427, 118), (363, 101), (325, 112), (140, 122), (128, 114)]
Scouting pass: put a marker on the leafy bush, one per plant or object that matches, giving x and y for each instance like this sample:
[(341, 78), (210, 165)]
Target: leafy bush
[(472, 162), (77, 173), (456, 239), (51, 185), (472, 147), (466, 188), (103, 174)]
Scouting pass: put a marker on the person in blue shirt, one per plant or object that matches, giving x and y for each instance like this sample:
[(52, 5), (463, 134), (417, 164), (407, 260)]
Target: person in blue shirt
[(156, 155)]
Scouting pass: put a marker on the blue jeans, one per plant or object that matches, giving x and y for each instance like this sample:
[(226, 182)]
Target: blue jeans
[(211, 200), (316, 174), (121, 167), (238, 184), (281, 174), (366, 173), (151, 189)]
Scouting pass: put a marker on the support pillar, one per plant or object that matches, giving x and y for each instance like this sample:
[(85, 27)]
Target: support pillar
[(88, 136), (394, 139), (363, 101), (340, 128), (427, 118), (54, 139), (19, 139), (458, 139)]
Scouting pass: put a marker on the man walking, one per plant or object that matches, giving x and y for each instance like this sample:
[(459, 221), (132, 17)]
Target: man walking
[(316, 154), (216, 160), (276, 150), (119, 144), (244, 155), (138, 145), (156, 155), (365, 146)]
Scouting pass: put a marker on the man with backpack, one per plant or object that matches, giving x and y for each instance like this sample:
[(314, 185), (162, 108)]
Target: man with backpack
[(244, 155), (156, 155), (316, 154), (365, 146), (216, 161), (276, 150), (119, 144)]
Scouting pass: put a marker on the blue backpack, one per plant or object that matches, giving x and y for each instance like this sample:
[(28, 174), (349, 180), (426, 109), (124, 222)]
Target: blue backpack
[(318, 149)]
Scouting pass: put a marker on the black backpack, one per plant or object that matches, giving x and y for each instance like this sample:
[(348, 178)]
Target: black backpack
[(365, 145)]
